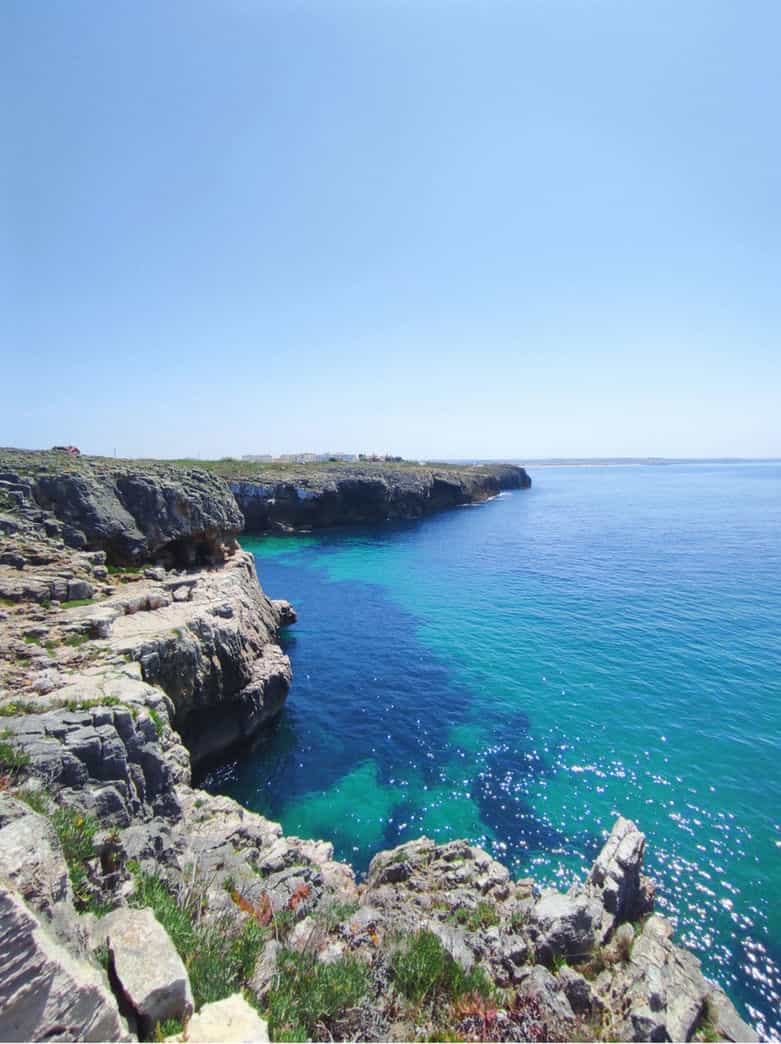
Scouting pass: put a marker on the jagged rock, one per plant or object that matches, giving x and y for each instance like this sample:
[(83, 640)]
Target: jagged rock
[(578, 991), (135, 513), (660, 993), (79, 589), (109, 762), (563, 925), (286, 614), (46, 993), (231, 1021), (543, 987), (615, 878), (725, 1021), (150, 973), (30, 857)]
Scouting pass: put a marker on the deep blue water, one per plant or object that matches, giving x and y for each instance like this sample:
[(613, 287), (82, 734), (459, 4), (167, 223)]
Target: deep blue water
[(520, 672)]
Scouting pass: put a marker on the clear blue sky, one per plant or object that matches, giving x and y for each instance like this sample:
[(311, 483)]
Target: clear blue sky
[(546, 227)]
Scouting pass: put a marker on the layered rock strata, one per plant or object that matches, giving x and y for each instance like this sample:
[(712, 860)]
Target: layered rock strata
[(134, 511)]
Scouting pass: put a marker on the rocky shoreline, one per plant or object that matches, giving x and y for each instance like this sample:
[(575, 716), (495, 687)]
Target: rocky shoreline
[(350, 495), (136, 643)]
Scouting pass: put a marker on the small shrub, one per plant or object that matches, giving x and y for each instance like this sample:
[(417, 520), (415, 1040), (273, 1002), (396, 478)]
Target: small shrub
[(14, 708), (168, 1028), (423, 970), (559, 962), (484, 915), (38, 800), (518, 920), (76, 832), (76, 640), (101, 701), (309, 993), (12, 760), (329, 915), (283, 922), (157, 721)]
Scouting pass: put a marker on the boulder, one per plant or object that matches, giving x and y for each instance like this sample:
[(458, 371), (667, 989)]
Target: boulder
[(46, 993), (148, 969), (230, 1021), (563, 926)]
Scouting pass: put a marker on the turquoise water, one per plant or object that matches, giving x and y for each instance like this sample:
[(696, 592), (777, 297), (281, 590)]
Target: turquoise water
[(520, 672)]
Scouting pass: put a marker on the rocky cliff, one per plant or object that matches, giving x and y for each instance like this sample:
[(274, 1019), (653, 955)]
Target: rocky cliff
[(134, 511), (300, 497), (135, 906)]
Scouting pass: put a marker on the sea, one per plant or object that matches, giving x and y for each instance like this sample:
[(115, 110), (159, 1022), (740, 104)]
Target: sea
[(521, 672)]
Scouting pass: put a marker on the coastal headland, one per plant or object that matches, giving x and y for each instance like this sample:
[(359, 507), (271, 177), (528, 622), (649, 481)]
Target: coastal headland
[(135, 643)]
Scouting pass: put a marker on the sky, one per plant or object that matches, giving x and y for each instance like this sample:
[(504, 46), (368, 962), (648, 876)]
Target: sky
[(437, 229)]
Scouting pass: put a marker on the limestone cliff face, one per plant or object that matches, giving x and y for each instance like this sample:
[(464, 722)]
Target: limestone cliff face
[(366, 493), (132, 510)]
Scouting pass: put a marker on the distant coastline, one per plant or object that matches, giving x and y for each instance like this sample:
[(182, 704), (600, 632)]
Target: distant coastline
[(616, 462)]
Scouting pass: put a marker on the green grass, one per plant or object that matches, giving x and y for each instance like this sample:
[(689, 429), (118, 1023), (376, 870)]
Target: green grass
[(168, 1028), (157, 721), (423, 971), (484, 915), (309, 993), (98, 701), (12, 760), (76, 640), (38, 800), (518, 920), (74, 603), (219, 955), (559, 962), (31, 639), (76, 832), (329, 915), (14, 708)]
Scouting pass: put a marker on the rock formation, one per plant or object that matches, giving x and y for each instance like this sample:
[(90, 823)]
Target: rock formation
[(302, 497), (135, 906)]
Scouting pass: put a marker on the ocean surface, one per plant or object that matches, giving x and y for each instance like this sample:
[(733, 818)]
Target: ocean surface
[(520, 672)]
